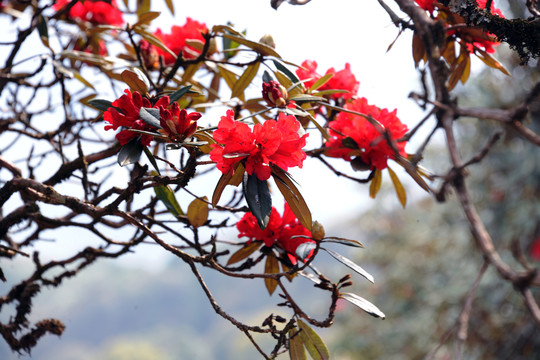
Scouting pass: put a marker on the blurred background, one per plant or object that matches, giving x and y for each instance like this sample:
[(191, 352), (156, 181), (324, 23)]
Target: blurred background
[(149, 306)]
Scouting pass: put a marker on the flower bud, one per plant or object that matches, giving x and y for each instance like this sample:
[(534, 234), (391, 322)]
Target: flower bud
[(317, 231), (275, 94), (149, 55), (268, 40)]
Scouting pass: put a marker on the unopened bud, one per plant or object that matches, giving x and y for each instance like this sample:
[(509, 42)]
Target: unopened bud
[(149, 55), (317, 231), (275, 94), (268, 40)]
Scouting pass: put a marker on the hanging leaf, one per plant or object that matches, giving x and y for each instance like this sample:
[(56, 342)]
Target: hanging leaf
[(198, 212), (43, 30), (170, 6), (190, 71), (167, 196), (238, 174), (313, 343), (146, 18), (400, 190), (417, 49), (244, 252), (363, 304), (350, 264), (152, 39), (413, 172), (296, 346), (467, 71), (135, 81), (292, 196), (294, 79), (143, 6), (222, 183), (262, 49), (228, 76), (343, 241), (271, 267), (151, 116), (490, 61), (245, 79), (131, 152), (375, 184), (100, 104), (258, 199)]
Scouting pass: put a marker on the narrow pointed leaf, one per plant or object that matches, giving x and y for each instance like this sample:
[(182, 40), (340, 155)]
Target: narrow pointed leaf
[(100, 104), (312, 341), (292, 196), (198, 212), (222, 183), (296, 346), (170, 6), (131, 152), (375, 184), (179, 93), (343, 241), (490, 61), (323, 80), (363, 304), (350, 264), (135, 81), (43, 30), (258, 199), (400, 190), (306, 98), (294, 79), (150, 116), (225, 29), (271, 267), (244, 80), (168, 198), (262, 49), (244, 252), (146, 18), (154, 41)]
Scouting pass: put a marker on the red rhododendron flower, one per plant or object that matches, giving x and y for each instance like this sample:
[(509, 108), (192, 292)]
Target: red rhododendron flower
[(279, 231), (276, 142), (342, 80), (130, 105), (535, 250), (372, 146), (178, 124), (472, 36), (96, 12), (176, 40)]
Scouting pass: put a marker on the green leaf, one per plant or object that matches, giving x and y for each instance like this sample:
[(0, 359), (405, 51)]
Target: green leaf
[(150, 116), (292, 196), (296, 346), (350, 264), (100, 104), (271, 267), (375, 184), (244, 252), (168, 198), (286, 71), (198, 212), (179, 93), (323, 80), (131, 152), (258, 199), (400, 190), (244, 80), (363, 304), (313, 343), (43, 30), (262, 49)]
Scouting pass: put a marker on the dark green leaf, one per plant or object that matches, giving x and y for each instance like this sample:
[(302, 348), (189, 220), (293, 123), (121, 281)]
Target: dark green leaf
[(363, 304), (179, 93), (350, 264), (167, 197), (286, 71), (150, 116), (131, 152), (343, 241), (349, 142), (313, 343), (43, 30), (100, 104), (258, 199)]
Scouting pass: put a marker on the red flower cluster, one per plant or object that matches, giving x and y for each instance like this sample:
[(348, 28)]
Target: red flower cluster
[(130, 105), (95, 12), (472, 36), (178, 124), (279, 231), (276, 142), (176, 40), (342, 80), (366, 142)]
